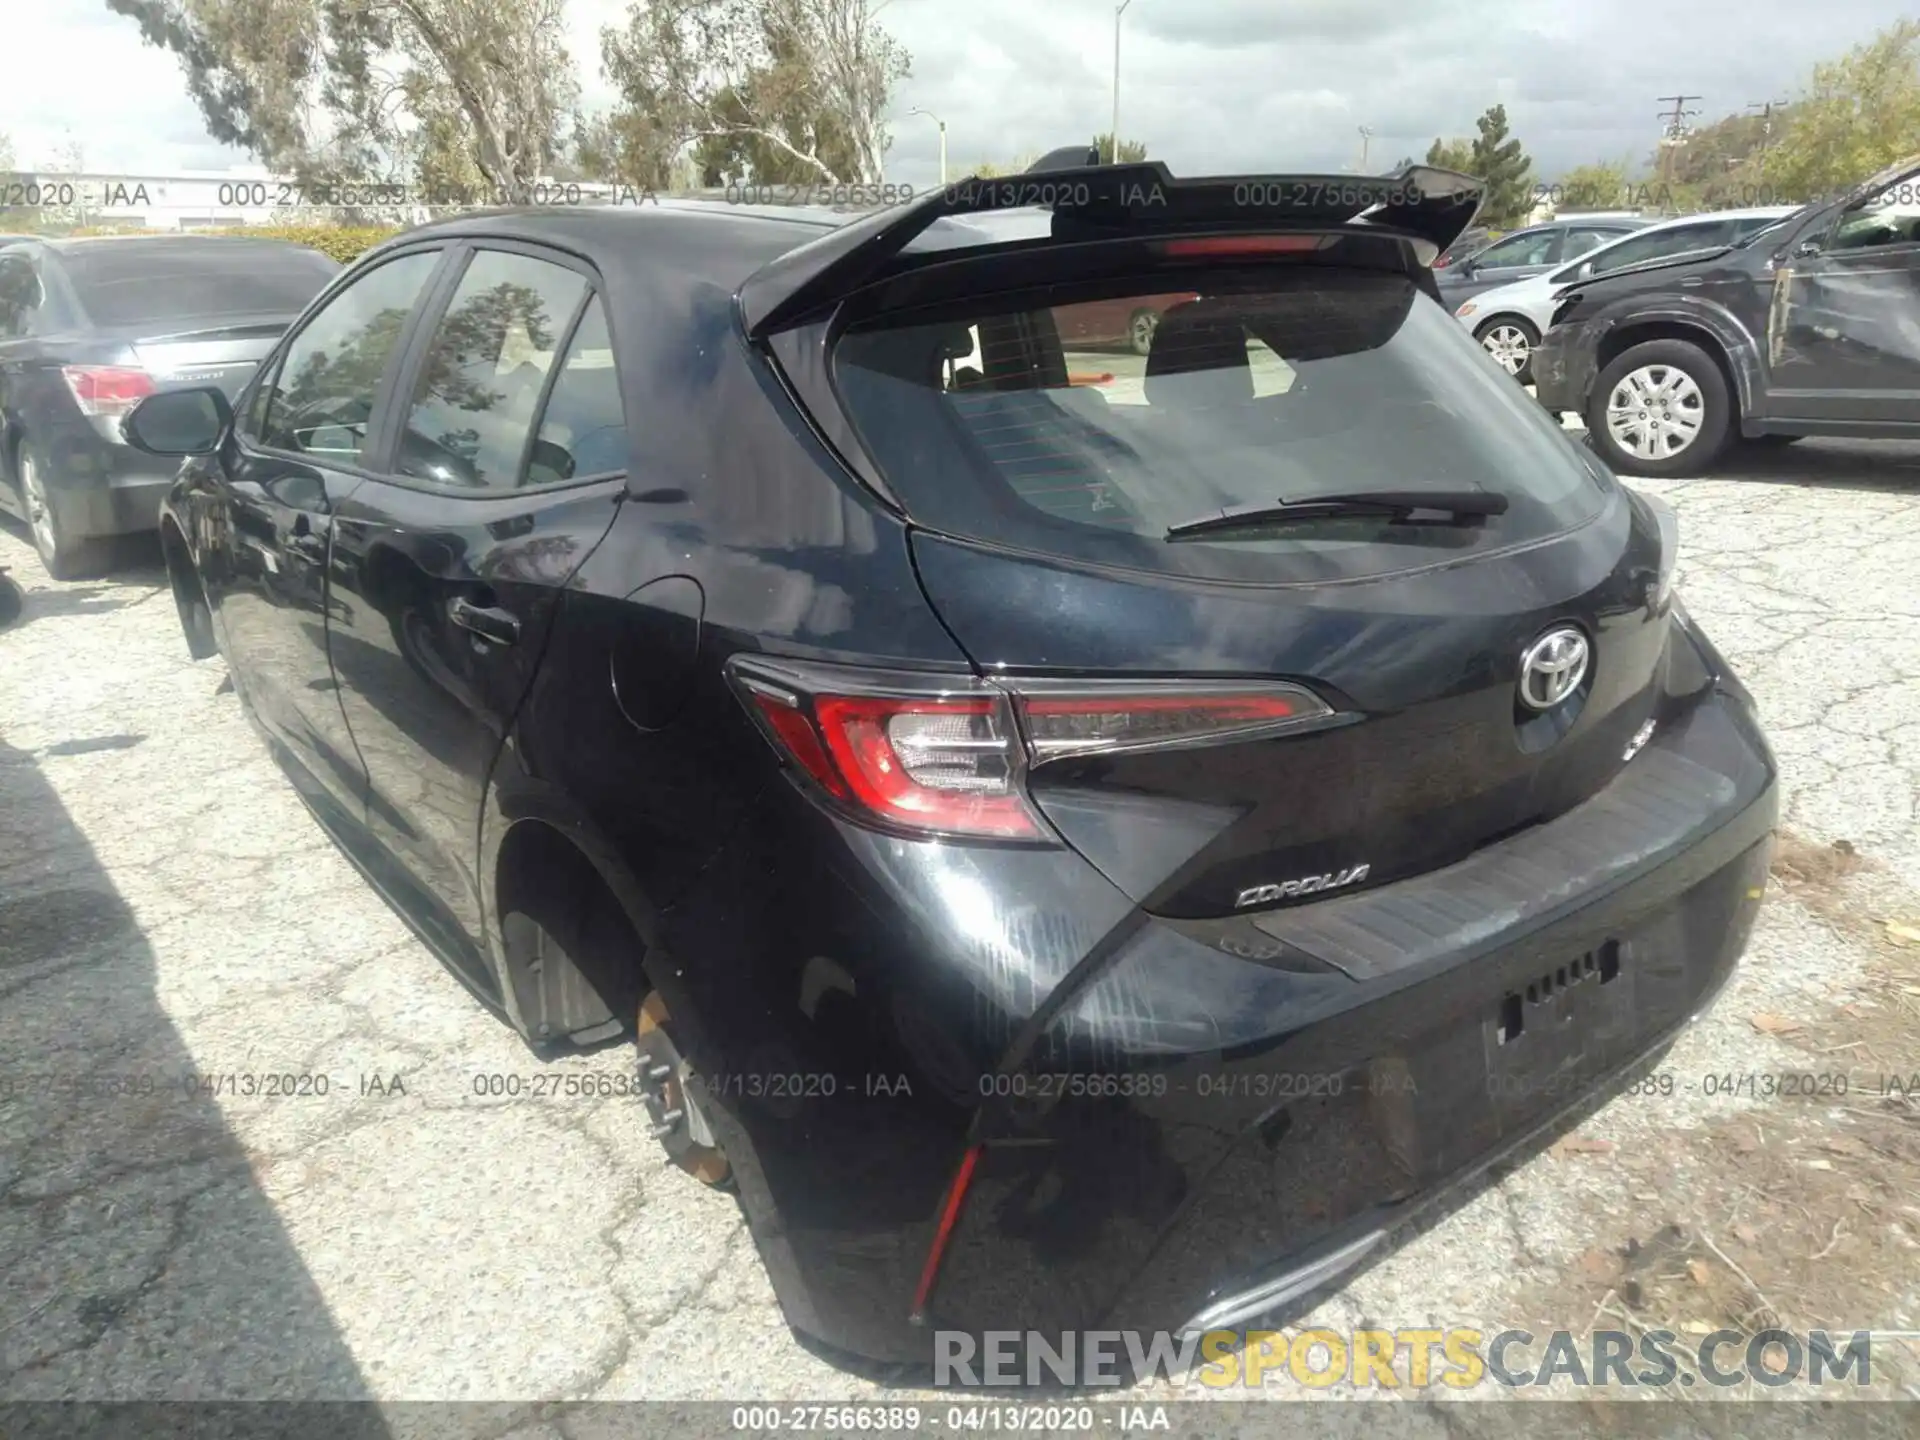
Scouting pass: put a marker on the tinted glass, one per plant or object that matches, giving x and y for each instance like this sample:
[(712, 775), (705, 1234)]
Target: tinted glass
[(584, 428), (322, 399), (1536, 248), (1270, 385), (20, 295), (1891, 217), (1579, 242), (157, 281), (474, 403), (1660, 243)]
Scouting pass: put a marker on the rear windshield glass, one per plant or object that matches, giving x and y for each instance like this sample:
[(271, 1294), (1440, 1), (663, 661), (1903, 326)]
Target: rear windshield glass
[(1087, 427), (139, 282)]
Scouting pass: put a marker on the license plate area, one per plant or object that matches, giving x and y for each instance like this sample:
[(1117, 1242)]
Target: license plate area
[(1545, 1038)]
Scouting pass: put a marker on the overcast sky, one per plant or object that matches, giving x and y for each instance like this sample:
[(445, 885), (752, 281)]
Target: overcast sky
[(1220, 86)]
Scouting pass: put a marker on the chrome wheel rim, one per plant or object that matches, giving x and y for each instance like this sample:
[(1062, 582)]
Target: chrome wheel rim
[(39, 516), (1508, 345), (1655, 412)]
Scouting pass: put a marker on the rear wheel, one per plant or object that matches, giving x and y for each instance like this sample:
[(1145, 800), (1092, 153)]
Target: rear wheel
[(1661, 408), (672, 1092), (1510, 341), (67, 557), (1140, 330)]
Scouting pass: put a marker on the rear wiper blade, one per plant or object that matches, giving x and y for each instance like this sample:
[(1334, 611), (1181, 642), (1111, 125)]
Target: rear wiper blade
[(1400, 507)]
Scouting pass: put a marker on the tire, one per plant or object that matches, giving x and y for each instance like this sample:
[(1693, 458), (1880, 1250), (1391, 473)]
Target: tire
[(1141, 326), (1681, 391), (1510, 340), (67, 557)]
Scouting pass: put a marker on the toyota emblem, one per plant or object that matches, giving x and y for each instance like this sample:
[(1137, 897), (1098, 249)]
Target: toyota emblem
[(1552, 667)]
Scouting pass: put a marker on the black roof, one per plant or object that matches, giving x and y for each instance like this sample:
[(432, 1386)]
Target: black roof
[(70, 244), (710, 239)]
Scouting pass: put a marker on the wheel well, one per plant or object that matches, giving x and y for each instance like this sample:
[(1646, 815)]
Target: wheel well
[(543, 875), (1507, 315), (1622, 340)]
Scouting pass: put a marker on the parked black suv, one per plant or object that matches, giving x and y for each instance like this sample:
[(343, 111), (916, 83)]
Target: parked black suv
[(1811, 327), (1078, 843)]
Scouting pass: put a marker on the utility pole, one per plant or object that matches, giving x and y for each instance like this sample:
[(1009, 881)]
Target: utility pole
[(917, 110), (1120, 10), (1675, 131), (1766, 109)]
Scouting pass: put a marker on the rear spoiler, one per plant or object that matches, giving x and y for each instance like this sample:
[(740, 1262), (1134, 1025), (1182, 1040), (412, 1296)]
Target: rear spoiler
[(1092, 202)]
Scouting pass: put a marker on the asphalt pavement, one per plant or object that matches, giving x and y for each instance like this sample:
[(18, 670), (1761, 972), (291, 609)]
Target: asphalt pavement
[(393, 1229)]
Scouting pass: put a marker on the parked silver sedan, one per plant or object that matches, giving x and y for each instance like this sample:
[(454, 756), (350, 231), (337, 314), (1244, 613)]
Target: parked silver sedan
[(1508, 321)]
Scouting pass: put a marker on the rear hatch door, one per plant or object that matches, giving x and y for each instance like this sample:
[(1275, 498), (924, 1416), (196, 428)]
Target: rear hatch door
[(1056, 487)]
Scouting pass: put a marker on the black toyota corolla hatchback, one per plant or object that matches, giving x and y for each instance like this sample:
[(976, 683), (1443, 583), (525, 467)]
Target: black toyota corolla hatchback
[(1083, 840)]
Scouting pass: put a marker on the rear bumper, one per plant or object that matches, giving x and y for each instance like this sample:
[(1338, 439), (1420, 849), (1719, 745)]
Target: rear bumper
[(100, 487), (1169, 1116)]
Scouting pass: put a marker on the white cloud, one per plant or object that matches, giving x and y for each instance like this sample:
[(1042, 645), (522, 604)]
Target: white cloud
[(1211, 85)]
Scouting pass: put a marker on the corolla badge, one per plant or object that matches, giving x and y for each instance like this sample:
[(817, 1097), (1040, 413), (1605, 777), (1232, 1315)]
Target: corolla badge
[(1305, 885), (1552, 667)]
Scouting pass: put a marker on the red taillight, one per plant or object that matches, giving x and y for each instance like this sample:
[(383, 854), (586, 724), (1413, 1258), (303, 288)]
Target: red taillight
[(1242, 245), (934, 757), (1070, 720), (931, 763), (107, 389)]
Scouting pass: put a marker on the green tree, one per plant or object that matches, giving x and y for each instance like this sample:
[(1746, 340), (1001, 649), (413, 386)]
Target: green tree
[(1132, 152), (1594, 187), (1860, 114), (440, 90), (1499, 159), (760, 89), (1456, 155)]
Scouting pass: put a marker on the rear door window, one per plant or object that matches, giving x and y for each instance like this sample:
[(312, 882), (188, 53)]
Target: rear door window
[(583, 431), (1257, 388), (1659, 244), (472, 416), (1535, 247), (157, 282)]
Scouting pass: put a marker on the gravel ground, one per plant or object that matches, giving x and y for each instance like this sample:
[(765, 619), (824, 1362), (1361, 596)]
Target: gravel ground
[(166, 904)]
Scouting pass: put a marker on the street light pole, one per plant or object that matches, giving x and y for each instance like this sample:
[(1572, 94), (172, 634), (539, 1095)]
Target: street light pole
[(1114, 157), (943, 138)]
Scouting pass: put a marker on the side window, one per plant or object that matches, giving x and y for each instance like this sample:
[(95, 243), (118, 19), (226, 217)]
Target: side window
[(1533, 248), (1891, 217), (584, 428), (1653, 246), (1579, 242), (20, 295), (474, 402), (253, 421), (321, 402)]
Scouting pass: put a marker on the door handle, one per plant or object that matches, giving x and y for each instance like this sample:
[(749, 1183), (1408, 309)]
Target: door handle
[(489, 622)]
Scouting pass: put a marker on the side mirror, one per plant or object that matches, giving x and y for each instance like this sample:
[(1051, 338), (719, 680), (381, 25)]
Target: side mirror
[(1585, 272), (1806, 250), (556, 460), (178, 422)]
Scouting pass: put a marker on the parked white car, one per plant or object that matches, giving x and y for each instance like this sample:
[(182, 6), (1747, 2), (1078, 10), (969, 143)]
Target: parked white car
[(1509, 321)]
